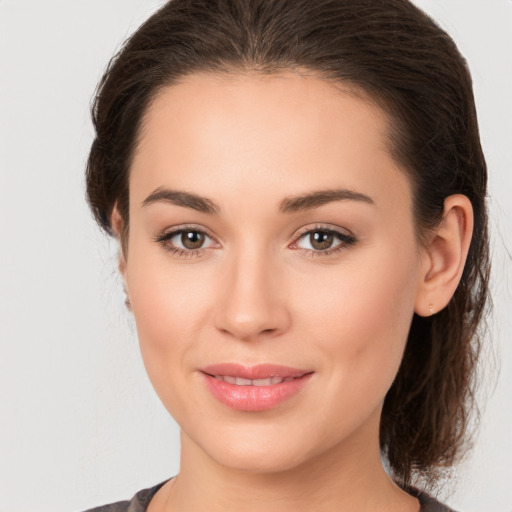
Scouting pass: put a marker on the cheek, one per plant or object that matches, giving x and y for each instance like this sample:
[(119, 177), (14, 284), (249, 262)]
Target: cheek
[(170, 310), (360, 315)]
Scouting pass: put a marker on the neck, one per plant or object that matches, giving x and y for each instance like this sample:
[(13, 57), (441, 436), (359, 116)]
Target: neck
[(347, 477)]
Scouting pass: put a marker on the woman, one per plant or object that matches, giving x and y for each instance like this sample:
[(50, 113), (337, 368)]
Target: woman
[(298, 191)]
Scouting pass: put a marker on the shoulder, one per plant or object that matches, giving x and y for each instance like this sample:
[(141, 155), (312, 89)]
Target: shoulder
[(139, 503)]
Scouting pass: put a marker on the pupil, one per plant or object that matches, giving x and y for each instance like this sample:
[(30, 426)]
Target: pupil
[(192, 239), (321, 240)]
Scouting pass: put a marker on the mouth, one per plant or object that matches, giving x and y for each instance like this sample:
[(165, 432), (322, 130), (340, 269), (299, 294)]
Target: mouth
[(255, 388), (240, 381)]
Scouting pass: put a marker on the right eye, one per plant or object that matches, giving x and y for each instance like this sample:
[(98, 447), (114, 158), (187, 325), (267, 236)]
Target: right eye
[(186, 241)]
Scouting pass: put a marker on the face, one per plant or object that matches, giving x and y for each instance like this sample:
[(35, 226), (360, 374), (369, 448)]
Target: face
[(272, 266)]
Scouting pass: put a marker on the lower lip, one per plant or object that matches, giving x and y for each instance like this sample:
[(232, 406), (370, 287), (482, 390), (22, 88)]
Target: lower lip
[(255, 398)]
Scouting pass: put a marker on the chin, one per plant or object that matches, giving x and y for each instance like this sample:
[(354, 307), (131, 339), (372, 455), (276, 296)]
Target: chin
[(255, 452)]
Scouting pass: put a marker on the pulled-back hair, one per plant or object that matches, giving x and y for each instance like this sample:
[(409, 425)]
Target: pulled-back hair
[(399, 58)]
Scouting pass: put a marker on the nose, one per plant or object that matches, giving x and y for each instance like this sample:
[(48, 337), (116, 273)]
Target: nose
[(252, 300)]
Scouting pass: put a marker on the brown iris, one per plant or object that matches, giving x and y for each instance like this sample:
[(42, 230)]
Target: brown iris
[(321, 240), (192, 239)]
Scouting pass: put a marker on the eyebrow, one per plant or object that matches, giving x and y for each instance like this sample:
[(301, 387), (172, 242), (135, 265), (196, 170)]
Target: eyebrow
[(321, 197), (287, 205), (179, 198)]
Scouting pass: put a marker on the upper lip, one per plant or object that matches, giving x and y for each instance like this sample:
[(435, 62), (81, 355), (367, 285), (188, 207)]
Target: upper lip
[(259, 371)]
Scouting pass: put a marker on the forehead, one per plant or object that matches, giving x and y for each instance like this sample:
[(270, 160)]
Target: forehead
[(249, 132), (305, 104)]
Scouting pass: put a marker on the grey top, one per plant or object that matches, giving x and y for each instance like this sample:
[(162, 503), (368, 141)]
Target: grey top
[(140, 502)]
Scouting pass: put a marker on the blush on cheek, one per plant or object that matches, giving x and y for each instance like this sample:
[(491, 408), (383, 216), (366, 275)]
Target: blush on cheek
[(371, 318)]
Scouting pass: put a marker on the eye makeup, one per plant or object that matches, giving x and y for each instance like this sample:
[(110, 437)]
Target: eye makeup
[(317, 241), (187, 241), (323, 242)]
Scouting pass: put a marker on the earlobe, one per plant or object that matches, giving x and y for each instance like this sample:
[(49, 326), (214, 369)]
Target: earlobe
[(445, 256)]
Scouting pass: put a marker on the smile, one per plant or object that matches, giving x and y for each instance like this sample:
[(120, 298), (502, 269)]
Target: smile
[(256, 388), (240, 381)]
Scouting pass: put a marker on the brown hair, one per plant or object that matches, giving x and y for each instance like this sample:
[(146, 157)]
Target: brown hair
[(401, 59)]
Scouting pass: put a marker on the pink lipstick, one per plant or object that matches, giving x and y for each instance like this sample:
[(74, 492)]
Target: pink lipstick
[(254, 388)]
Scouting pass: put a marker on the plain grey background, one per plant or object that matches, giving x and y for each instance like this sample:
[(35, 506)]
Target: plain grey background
[(79, 422)]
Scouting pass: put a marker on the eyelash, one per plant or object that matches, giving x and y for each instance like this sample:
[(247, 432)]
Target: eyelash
[(164, 239), (346, 240)]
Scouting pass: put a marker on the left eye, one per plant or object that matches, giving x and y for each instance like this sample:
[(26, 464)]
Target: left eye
[(323, 240)]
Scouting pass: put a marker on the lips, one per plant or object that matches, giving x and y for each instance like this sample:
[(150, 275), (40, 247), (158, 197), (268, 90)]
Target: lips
[(254, 388), (240, 381)]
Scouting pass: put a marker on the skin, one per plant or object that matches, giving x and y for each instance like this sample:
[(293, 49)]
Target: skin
[(258, 291)]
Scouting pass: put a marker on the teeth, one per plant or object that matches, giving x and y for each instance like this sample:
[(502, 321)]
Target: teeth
[(239, 381), (263, 382)]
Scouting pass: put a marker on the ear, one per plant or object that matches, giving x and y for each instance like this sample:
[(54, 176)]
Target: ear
[(444, 256), (117, 223)]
